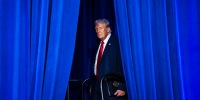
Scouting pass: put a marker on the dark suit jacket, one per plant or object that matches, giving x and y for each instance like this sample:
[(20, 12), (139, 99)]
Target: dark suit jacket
[(111, 60)]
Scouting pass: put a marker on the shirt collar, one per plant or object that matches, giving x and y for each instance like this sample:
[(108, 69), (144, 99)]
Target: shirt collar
[(107, 38)]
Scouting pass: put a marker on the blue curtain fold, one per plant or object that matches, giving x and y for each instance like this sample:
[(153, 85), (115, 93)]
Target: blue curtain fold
[(188, 13), (37, 40), (55, 41), (159, 56), (14, 50)]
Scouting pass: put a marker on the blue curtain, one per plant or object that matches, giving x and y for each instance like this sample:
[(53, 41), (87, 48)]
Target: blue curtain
[(37, 39), (14, 50), (159, 41)]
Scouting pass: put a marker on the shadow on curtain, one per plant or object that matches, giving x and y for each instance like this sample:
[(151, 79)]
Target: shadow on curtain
[(160, 47), (37, 40)]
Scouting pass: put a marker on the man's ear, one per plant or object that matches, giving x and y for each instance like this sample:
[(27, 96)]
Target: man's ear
[(108, 29)]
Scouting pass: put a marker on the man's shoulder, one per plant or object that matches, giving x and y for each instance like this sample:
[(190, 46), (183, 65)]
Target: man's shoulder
[(114, 39)]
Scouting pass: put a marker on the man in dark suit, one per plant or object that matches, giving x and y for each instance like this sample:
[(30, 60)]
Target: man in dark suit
[(106, 59)]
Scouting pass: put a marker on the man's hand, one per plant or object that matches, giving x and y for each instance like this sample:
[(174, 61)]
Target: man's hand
[(119, 93)]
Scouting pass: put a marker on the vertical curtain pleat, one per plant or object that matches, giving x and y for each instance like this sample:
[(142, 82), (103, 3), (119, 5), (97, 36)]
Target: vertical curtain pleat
[(155, 42), (188, 13), (37, 39), (55, 46), (125, 40), (14, 53)]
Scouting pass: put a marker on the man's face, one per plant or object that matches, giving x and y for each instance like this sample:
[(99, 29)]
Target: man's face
[(102, 31)]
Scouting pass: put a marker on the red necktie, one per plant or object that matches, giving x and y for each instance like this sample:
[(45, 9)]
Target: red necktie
[(99, 58)]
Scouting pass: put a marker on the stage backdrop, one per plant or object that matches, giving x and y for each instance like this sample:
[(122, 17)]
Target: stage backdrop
[(159, 41)]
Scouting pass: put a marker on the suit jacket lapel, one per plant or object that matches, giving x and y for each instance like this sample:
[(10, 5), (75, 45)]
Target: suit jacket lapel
[(106, 50)]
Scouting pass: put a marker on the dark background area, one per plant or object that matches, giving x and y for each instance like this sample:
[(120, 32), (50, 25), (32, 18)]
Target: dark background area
[(90, 10)]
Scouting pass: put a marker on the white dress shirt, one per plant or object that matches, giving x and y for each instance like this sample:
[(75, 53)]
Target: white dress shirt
[(105, 42)]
